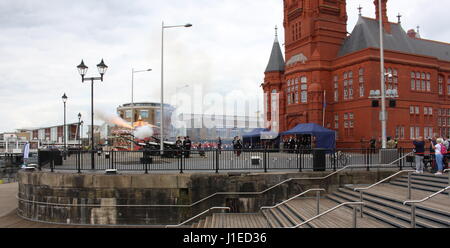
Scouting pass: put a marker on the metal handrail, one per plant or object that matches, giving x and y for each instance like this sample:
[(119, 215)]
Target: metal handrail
[(414, 202), (198, 215), (309, 190), (387, 178), (361, 190), (332, 209)]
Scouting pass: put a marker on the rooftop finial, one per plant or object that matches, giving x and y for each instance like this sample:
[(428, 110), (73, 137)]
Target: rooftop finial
[(418, 29), (360, 10), (276, 31), (399, 18)]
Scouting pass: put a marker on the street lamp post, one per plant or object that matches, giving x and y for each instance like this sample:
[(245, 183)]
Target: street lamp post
[(64, 99), (79, 130), (132, 92), (162, 81), (82, 69), (382, 77)]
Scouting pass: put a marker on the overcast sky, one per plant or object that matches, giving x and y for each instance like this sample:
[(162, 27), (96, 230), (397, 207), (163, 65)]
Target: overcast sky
[(228, 47)]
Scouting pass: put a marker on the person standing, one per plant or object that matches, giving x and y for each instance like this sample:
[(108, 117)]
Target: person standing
[(26, 154), (238, 146), (439, 152), (179, 145), (187, 146), (419, 150), (219, 145)]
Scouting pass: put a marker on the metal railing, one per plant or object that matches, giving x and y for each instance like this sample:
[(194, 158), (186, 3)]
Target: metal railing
[(414, 202), (333, 209), (361, 190), (212, 159), (294, 197), (198, 215)]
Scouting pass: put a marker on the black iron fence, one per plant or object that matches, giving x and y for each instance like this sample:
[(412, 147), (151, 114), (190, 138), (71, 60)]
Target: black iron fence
[(214, 160)]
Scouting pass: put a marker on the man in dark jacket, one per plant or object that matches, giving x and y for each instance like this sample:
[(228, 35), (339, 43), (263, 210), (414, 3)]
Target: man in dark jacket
[(419, 150), (187, 146)]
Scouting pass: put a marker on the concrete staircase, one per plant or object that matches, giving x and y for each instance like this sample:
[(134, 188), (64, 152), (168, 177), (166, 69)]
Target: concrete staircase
[(384, 208)]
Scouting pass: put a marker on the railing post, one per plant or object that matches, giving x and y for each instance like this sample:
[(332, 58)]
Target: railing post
[(52, 161), (354, 216), (400, 162), (361, 200), (367, 159), (79, 160), (334, 160), (146, 166), (265, 159), (299, 161), (318, 202), (217, 160), (409, 186), (413, 215), (181, 164)]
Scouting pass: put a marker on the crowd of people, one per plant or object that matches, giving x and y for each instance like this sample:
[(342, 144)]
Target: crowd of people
[(301, 142), (438, 148)]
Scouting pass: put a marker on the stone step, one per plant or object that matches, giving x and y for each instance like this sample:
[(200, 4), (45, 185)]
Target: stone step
[(418, 182), (397, 194), (427, 178), (271, 219), (431, 189), (425, 214), (402, 216), (373, 214), (281, 218)]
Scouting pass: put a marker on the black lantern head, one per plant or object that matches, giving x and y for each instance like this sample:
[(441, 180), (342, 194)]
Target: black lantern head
[(82, 69), (102, 67), (64, 98)]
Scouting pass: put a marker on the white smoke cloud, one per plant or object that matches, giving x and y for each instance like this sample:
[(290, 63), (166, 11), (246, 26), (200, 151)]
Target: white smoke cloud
[(112, 119), (143, 132)]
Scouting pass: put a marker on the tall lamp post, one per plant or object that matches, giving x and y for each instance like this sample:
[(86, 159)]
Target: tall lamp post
[(382, 79), (64, 99), (188, 25), (82, 69), (132, 92)]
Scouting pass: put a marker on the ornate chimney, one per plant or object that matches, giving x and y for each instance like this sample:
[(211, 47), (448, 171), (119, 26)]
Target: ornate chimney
[(386, 24)]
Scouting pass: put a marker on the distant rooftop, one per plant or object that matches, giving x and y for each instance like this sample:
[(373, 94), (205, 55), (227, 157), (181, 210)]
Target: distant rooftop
[(366, 34)]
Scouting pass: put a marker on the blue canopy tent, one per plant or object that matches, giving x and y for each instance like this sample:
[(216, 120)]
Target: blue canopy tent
[(325, 138)]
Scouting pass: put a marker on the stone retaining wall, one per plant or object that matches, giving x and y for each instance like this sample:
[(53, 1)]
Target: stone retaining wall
[(105, 192)]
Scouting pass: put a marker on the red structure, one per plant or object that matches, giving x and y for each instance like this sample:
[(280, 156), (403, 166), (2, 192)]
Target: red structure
[(329, 75)]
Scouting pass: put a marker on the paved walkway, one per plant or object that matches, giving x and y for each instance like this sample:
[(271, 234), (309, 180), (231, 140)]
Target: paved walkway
[(8, 201)]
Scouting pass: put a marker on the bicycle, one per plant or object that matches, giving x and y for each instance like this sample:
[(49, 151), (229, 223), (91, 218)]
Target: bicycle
[(340, 158)]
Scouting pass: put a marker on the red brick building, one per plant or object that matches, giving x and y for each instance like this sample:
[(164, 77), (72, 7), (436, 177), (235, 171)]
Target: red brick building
[(325, 63)]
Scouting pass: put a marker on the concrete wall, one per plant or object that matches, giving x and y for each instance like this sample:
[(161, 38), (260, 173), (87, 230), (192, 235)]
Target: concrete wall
[(103, 192)]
